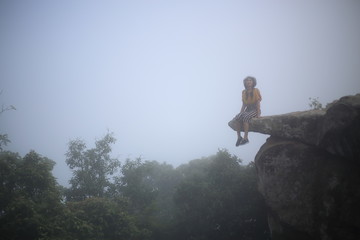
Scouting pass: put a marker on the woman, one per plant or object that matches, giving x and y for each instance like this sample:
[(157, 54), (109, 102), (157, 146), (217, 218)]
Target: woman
[(251, 98)]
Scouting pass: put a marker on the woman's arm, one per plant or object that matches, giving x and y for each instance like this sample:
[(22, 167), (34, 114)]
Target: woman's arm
[(242, 108), (258, 109)]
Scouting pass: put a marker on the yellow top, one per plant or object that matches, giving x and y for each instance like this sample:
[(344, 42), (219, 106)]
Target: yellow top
[(250, 97)]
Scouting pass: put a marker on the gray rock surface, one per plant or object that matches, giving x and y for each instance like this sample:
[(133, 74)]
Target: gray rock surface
[(335, 129), (309, 171)]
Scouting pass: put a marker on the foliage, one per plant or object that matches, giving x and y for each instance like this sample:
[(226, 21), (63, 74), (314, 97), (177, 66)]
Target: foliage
[(209, 198), (149, 186), (218, 199), (315, 104), (91, 168), (101, 218), (30, 206), (4, 139)]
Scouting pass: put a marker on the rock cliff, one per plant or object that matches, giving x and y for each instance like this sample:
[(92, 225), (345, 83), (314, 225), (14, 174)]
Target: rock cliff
[(309, 171)]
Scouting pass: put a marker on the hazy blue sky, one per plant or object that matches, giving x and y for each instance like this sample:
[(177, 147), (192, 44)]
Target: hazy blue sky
[(166, 76)]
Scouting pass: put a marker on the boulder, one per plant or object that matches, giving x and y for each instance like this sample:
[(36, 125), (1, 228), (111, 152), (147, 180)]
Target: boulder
[(335, 129), (340, 129), (301, 126), (310, 193), (309, 171)]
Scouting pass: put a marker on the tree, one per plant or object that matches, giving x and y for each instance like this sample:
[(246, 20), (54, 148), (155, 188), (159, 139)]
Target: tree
[(91, 168), (30, 206), (315, 104), (149, 186), (218, 199), (101, 219), (4, 139)]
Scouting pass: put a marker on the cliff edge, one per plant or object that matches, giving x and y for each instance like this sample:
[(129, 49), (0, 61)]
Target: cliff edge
[(309, 171)]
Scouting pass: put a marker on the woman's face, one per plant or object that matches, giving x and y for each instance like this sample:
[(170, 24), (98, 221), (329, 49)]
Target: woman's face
[(248, 83)]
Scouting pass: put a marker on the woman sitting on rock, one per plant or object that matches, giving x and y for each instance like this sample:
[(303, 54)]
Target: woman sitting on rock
[(251, 98)]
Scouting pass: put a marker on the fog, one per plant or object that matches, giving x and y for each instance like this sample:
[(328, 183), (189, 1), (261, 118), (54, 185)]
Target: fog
[(166, 76)]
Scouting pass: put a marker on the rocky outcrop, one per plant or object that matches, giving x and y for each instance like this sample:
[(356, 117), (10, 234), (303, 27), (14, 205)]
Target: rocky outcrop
[(309, 171)]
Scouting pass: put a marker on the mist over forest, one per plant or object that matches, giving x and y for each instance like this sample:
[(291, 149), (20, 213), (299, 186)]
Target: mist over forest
[(209, 198), (114, 114)]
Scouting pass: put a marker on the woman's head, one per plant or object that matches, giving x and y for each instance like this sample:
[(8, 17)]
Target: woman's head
[(249, 82)]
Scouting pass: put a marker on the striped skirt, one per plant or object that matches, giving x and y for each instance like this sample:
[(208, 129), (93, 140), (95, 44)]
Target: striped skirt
[(245, 116)]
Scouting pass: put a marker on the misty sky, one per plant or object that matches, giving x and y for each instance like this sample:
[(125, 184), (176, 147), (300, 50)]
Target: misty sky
[(166, 76)]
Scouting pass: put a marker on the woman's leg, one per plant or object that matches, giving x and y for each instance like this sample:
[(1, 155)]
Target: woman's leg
[(238, 122), (238, 129), (246, 125), (239, 138), (246, 130)]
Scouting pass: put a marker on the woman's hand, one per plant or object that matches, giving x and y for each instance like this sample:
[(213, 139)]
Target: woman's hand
[(258, 109), (258, 114)]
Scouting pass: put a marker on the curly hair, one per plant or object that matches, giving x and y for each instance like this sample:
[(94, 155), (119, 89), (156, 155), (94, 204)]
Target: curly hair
[(250, 78)]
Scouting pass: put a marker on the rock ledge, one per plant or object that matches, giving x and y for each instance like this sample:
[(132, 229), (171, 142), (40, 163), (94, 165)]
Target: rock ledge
[(309, 171)]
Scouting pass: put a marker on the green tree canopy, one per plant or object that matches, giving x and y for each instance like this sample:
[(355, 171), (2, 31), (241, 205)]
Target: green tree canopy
[(92, 168), (149, 186), (101, 218), (218, 199), (30, 206)]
